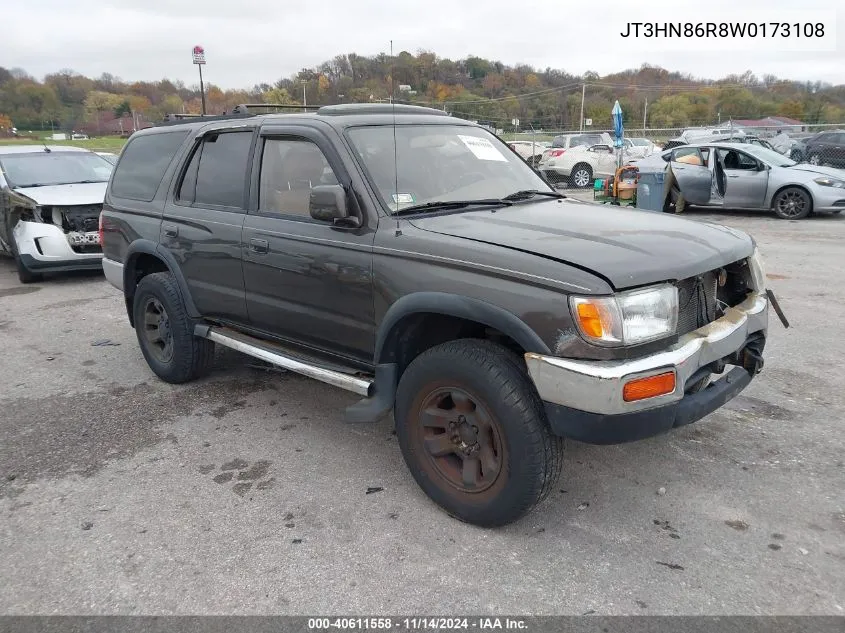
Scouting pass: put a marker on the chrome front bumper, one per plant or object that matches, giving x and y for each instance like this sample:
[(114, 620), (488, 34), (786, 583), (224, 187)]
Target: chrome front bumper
[(596, 386)]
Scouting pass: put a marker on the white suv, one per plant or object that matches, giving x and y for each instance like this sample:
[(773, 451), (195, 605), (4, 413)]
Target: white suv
[(551, 163)]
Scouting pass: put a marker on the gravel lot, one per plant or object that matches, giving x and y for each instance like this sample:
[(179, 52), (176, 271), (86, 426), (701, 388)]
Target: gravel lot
[(246, 493)]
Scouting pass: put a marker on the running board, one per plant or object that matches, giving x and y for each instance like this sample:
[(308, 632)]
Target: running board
[(277, 355)]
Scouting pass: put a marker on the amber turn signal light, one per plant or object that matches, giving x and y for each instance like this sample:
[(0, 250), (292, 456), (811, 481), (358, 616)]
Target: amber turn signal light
[(590, 319), (649, 387)]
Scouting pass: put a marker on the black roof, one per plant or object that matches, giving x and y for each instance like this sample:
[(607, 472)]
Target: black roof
[(338, 116)]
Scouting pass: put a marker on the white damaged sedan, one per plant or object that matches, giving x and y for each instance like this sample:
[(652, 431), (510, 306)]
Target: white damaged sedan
[(50, 203)]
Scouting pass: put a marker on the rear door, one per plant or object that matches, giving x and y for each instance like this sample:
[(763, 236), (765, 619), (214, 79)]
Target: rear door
[(204, 216), (692, 174), (746, 179)]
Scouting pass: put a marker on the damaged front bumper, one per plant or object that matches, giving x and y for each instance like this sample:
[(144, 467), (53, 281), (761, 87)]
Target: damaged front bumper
[(46, 247), (584, 399)]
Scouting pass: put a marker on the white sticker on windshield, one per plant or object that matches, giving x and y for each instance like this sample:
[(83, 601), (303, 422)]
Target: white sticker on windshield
[(402, 198), (482, 148)]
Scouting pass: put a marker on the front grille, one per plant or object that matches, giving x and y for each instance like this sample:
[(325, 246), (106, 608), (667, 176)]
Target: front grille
[(702, 300), (696, 302)]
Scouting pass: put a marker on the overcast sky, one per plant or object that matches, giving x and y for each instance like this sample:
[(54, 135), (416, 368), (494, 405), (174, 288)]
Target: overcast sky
[(254, 41)]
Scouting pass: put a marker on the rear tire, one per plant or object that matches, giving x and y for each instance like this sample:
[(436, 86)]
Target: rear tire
[(581, 176), (792, 203), (165, 332), (474, 434)]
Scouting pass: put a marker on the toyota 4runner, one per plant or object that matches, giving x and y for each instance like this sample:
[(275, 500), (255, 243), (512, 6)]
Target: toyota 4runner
[(415, 260)]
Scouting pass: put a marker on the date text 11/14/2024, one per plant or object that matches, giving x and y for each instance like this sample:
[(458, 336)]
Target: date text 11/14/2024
[(417, 624)]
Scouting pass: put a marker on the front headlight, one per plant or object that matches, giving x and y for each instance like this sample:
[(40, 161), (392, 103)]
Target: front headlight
[(758, 272), (826, 181), (627, 318)]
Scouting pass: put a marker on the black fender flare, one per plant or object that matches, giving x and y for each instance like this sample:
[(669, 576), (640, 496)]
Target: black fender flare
[(148, 247), (457, 306)]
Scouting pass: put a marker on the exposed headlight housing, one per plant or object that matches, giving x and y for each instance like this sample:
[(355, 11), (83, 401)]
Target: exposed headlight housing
[(827, 181), (758, 271), (627, 318)]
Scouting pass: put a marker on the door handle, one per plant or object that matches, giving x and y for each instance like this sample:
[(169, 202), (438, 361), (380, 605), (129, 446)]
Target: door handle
[(733, 176), (171, 230), (259, 246)]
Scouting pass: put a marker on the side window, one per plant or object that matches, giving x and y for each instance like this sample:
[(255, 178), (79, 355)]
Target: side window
[(216, 174), (143, 163), (688, 155), (705, 155), (732, 159), (290, 168)]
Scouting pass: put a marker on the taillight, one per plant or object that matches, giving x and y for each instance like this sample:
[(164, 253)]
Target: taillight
[(556, 152), (101, 228)]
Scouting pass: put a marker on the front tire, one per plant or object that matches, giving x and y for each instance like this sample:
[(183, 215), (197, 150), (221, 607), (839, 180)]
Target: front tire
[(25, 275), (815, 159), (581, 176), (165, 332), (474, 434), (792, 204)]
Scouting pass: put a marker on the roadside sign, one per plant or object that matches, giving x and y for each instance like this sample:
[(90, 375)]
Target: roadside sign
[(199, 55), (515, 122), (588, 121)]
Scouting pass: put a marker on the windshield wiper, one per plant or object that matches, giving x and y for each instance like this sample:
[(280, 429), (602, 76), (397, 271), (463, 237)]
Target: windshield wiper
[(440, 205), (526, 194), (85, 182)]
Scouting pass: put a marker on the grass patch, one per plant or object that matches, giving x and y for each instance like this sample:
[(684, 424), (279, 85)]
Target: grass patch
[(102, 144)]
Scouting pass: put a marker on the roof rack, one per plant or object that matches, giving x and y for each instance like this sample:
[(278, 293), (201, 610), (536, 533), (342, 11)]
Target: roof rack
[(377, 108), (250, 108), (183, 119)]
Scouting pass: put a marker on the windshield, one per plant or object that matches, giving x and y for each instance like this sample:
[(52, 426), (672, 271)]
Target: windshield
[(769, 156), (54, 168), (440, 163)]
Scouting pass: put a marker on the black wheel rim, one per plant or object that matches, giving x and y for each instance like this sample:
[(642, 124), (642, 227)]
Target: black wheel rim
[(792, 203), (581, 178), (157, 331), (461, 440)]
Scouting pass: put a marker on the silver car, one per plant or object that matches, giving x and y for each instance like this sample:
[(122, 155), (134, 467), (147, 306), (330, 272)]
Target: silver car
[(740, 176)]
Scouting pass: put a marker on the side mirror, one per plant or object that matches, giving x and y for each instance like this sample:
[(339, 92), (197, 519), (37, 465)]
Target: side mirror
[(328, 203)]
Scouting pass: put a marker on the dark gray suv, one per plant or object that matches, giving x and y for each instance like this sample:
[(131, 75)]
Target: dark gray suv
[(415, 260)]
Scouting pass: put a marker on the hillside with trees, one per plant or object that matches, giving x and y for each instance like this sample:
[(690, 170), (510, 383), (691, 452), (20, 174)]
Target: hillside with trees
[(474, 88)]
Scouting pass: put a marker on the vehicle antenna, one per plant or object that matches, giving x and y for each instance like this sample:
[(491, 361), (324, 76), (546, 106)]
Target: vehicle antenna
[(395, 157)]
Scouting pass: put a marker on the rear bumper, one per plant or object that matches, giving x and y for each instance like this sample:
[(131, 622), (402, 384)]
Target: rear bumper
[(114, 272), (584, 399)]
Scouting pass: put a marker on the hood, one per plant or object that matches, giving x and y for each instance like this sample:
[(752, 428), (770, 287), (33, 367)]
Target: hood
[(66, 195), (626, 247), (819, 169)]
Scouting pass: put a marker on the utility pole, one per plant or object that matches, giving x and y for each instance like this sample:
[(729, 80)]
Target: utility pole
[(304, 102), (645, 115), (583, 92)]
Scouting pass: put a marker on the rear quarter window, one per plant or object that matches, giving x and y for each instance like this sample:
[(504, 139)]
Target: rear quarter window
[(142, 165)]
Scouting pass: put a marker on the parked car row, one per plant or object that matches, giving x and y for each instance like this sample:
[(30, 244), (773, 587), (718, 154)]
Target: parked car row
[(576, 159)]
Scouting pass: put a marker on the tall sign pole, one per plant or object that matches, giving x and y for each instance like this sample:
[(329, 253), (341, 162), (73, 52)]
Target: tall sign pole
[(199, 59)]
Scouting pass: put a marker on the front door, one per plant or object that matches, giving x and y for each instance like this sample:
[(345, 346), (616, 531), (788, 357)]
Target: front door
[(306, 280), (746, 179), (692, 175), (204, 217)]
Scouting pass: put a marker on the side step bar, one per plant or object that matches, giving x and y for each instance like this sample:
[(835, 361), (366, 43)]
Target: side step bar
[(276, 355)]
